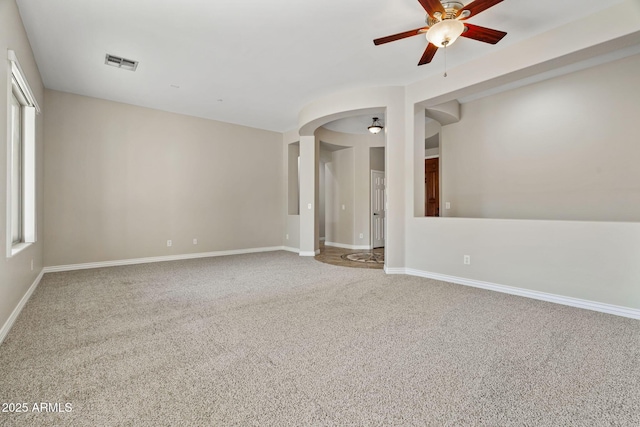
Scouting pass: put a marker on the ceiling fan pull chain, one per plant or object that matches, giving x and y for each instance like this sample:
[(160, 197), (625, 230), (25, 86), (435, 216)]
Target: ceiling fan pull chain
[(445, 60)]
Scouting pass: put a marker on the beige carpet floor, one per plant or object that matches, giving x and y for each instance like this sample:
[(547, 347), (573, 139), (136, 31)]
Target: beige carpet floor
[(274, 339)]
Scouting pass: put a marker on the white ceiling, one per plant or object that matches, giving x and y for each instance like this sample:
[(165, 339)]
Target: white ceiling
[(355, 124), (254, 62)]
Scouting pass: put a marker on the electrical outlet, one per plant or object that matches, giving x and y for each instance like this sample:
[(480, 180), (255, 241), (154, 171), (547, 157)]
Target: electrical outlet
[(343, 207), (467, 259), (169, 243), (309, 206), (195, 241), (361, 235), (287, 237), (447, 205)]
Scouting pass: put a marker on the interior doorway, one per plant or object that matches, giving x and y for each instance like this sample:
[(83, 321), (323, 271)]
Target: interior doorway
[(432, 187), (378, 184)]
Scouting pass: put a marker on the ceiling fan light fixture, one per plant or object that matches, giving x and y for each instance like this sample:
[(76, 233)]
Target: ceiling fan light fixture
[(375, 127), (445, 32)]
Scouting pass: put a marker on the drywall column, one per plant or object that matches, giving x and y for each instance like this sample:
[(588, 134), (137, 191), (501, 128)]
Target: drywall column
[(397, 175), (292, 221), (309, 196)]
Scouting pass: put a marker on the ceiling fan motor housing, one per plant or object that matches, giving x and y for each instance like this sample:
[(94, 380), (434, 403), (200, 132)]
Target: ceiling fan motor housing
[(451, 12)]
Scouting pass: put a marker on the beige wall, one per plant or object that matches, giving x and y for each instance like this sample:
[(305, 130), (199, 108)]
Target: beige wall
[(121, 180), (376, 161), (325, 157), (291, 234), (572, 135), (340, 192), (565, 148), (431, 152), (16, 274), (293, 153)]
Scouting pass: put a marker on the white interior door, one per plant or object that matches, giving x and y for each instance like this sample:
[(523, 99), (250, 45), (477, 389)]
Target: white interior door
[(378, 182)]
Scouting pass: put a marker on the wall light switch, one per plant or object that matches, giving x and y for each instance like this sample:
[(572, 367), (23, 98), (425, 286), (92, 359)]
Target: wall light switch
[(309, 206)]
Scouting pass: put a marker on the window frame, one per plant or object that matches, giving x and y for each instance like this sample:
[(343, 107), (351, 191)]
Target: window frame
[(18, 88)]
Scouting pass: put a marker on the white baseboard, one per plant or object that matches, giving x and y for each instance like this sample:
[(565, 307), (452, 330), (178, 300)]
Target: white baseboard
[(543, 296), (16, 311), (345, 246), (309, 253), (395, 270), (290, 249), (322, 239), (84, 266)]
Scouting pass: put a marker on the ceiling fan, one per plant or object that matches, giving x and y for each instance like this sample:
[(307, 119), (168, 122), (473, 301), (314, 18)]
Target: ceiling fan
[(445, 24)]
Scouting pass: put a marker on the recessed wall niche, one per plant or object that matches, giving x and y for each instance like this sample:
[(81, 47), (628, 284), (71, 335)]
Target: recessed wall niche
[(293, 182)]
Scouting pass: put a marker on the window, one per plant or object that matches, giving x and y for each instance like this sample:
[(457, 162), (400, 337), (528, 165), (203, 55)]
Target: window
[(21, 197), (16, 169)]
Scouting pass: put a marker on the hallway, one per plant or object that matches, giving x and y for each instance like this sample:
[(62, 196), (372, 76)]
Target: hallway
[(341, 257)]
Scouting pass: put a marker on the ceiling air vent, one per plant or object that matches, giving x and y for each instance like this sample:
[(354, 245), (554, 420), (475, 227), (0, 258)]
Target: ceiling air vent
[(125, 64)]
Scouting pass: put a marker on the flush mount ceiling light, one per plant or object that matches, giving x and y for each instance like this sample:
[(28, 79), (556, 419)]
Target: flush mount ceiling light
[(375, 127), (118, 62)]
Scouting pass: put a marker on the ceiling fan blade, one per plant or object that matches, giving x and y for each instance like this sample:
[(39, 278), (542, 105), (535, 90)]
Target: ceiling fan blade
[(432, 6), (399, 36), (483, 34), (428, 54), (477, 6)]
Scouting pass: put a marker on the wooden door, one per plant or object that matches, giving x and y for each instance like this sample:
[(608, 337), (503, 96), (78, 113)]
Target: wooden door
[(432, 187)]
